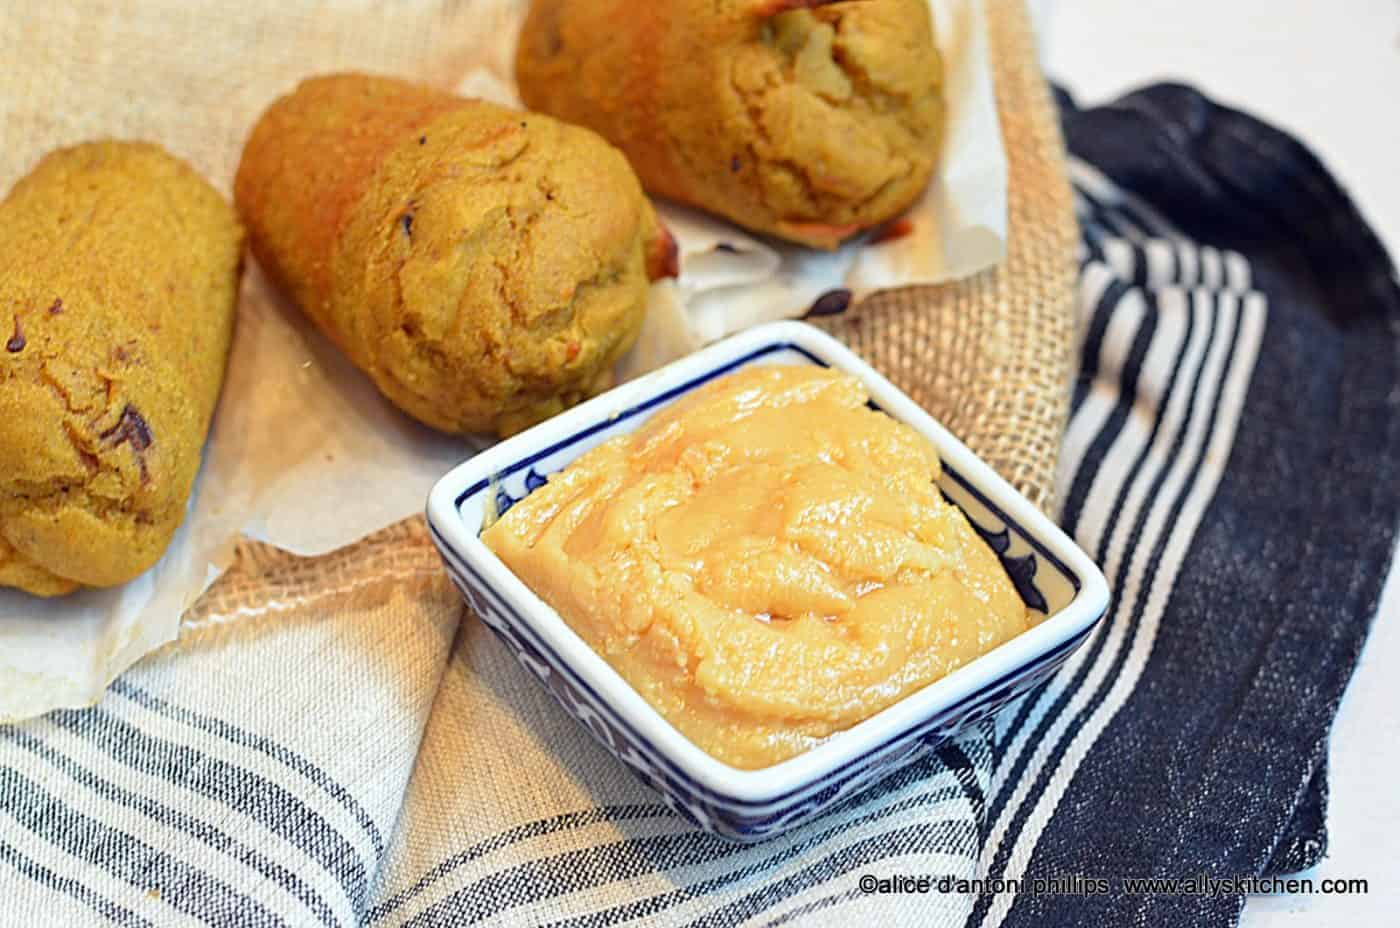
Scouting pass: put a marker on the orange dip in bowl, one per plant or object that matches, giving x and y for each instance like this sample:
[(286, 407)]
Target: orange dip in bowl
[(767, 561)]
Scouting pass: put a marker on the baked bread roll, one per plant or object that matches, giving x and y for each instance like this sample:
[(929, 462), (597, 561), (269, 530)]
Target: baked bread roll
[(118, 286), (484, 266), (806, 119)]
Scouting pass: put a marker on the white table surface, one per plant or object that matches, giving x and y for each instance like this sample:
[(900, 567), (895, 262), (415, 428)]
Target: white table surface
[(1330, 74)]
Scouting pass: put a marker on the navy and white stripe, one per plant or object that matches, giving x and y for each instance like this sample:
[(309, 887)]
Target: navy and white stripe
[(1247, 556), (1145, 448), (127, 806), (251, 776)]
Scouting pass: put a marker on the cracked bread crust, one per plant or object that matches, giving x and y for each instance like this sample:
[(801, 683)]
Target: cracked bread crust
[(119, 287), (803, 119), (484, 266)]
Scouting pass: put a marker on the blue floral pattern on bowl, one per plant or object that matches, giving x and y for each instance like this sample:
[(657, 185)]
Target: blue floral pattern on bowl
[(1044, 582)]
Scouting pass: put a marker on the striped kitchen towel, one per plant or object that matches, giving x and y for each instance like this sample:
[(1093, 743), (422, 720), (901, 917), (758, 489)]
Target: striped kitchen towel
[(1230, 461)]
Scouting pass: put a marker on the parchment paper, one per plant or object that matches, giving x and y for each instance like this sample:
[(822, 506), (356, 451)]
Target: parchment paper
[(304, 453)]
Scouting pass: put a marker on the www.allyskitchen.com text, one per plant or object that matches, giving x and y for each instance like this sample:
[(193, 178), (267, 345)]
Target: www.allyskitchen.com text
[(1078, 885)]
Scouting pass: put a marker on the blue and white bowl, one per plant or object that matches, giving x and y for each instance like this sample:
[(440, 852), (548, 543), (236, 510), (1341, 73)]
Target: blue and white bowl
[(1051, 573)]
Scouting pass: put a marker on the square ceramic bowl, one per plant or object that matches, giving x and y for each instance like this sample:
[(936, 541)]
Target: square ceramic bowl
[(1050, 572)]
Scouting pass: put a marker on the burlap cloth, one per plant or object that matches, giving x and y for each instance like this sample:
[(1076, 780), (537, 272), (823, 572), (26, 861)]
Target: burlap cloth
[(990, 356)]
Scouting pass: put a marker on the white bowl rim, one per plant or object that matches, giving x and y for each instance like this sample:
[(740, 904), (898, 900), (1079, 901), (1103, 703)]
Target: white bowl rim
[(846, 748)]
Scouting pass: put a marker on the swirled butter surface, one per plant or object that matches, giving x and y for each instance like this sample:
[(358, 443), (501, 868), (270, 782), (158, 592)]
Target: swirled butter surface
[(767, 561)]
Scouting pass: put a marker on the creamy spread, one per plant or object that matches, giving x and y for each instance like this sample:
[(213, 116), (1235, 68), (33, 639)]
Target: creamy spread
[(767, 561)]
